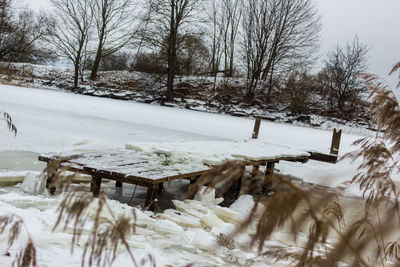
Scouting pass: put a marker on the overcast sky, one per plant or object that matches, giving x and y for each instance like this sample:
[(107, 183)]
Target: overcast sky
[(376, 22)]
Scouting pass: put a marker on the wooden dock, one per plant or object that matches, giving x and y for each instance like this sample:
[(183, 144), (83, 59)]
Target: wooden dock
[(143, 169)]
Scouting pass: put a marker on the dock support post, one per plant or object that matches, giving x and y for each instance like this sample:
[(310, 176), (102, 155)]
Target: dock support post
[(256, 130), (269, 171), (161, 188), (241, 182), (151, 195), (95, 185), (337, 135), (51, 172), (254, 171)]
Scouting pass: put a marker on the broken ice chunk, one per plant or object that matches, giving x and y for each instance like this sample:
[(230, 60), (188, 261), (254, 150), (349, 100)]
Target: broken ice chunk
[(227, 215), (180, 218), (206, 195), (211, 220), (168, 227), (244, 204), (34, 184)]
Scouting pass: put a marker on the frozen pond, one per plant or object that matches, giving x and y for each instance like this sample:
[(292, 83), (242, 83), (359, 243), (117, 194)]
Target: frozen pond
[(52, 121), (20, 161)]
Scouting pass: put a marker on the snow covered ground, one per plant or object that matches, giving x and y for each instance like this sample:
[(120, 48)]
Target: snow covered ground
[(53, 121)]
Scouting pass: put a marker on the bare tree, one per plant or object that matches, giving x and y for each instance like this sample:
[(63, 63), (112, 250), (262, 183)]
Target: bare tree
[(224, 21), (277, 33), (72, 34), (213, 28), (114, 21), (231, 16), (192, 56), (5, 26), (21, 32), (169, 20), (340, 76), (215, 40)]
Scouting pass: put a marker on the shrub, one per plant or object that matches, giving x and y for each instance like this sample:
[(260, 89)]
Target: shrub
[(300, 87)]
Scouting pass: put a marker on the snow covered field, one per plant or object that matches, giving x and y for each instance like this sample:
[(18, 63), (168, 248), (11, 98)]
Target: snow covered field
[(53, 121)]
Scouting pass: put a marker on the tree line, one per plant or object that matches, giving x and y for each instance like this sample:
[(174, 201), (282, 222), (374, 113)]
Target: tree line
[(267, 42)]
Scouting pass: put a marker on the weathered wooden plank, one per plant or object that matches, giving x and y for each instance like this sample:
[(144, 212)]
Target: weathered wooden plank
[(44, 158), (324, 157)]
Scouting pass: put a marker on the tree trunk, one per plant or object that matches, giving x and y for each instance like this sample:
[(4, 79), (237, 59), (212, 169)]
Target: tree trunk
[(171, 56), (170, 86), (232, 51), (76, 74), (270, 82), (251, 87), (231, 63), (171, 72), (226, 54), (96, 64)]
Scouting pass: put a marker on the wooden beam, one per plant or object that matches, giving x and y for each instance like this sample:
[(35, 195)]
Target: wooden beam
[(324, 157)]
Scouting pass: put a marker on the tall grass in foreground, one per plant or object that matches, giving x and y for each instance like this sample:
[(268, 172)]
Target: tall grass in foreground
[(13, 225), (4, 116), (371, 240)]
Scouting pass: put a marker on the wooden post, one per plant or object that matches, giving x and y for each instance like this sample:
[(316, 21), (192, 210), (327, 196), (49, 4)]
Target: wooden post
[(256, 127), (118, 184), (241, 182), (95, 185), (194, 179), (49, 176), (269, 171), (254, 171), (151, 195), (161, 188), (336, 141), (51, 172)]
